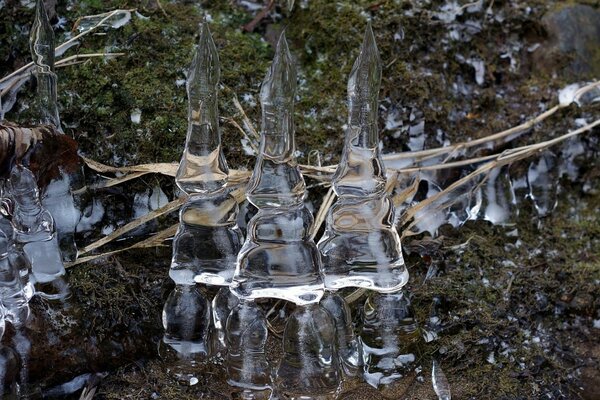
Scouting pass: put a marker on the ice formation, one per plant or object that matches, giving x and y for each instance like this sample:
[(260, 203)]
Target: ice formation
[(279, 259), (360, 246)]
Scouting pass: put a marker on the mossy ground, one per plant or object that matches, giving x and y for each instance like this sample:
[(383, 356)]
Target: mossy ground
[(531, 305)]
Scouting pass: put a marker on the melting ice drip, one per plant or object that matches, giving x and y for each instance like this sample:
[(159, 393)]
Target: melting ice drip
[(278, 259), (361, 246)]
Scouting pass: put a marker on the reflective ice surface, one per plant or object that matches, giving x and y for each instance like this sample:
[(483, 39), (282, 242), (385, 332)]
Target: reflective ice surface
[(12, 295), (309, 366), (246, 334), (222, 304), (276, 179), (349, 346), (41, 42), (34, 227), (186, 320), (279, 258), (207, 240), (388, 330)]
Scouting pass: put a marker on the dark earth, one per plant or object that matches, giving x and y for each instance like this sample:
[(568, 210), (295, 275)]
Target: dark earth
[(532, 301)]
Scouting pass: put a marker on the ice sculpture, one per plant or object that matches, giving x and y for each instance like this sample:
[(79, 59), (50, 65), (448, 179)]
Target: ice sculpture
[(41, 43), (278, 259), (349, 346), (34, 227), (186, 318), (246, 333), (361, 246), (12, 295), (208, 239), (388, 331), (309, 366)]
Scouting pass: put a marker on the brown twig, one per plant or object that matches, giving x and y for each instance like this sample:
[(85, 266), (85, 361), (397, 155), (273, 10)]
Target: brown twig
[(250, 26)]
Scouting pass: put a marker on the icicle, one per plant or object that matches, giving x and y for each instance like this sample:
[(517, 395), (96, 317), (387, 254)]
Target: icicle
[(361, 171), (279, 258), (360, 246), (440, 383), (203, 168), (41, 43), (349, 346), (208, 239), (276, 180)]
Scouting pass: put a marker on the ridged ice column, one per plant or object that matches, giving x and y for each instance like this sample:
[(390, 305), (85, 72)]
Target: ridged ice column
[(278, 259), (360, 246), (208, 240), (41, 43)]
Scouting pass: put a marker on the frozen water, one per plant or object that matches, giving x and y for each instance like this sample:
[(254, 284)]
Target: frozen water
[(361, 246), (203, 167), (12, 296), (439, 381), (498, 198), (207, 241), (59, 201), (41, 43), (246, 333), (542, 180), (276, 180), (222, 304), (186, 320), (116, 20), (34, 227), (349, 346), (136, 116), (309, 366), (279, 259), (361, 172), (388, 330)]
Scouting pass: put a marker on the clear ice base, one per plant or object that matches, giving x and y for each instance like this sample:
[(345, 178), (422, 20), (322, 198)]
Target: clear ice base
[(368, 281)]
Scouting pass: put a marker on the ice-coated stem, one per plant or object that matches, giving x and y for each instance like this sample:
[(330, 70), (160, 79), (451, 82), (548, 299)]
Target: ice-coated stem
[(203, 167), (361, 171), (41, 43)]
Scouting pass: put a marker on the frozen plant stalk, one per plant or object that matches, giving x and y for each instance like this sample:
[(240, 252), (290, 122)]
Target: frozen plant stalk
[(34, 227), (278, 259), (208, 240), (361, 246), (41, 43)]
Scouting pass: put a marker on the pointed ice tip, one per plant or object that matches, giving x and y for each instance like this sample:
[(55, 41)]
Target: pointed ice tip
[(280, 82), (205, 70), (365, 76)]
